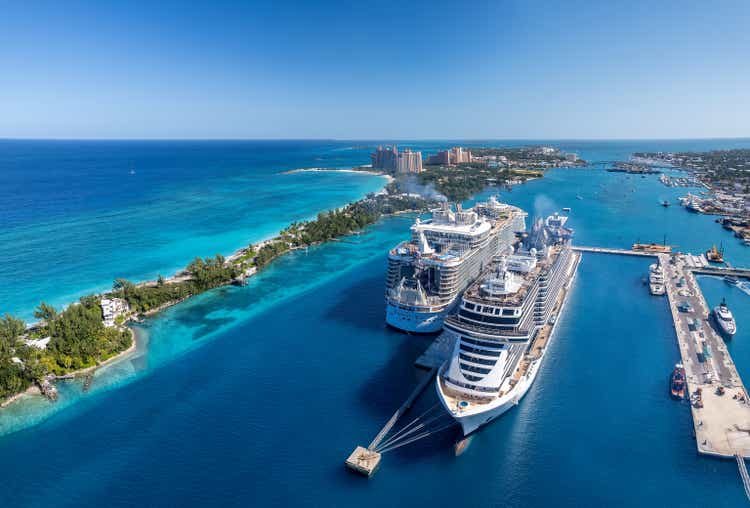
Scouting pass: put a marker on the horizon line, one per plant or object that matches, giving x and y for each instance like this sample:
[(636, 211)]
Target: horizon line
[(395, 140)]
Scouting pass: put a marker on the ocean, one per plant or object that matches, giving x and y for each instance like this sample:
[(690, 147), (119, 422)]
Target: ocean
[(256, 395)]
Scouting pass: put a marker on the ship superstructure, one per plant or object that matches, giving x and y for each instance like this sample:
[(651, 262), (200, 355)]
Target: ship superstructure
[(427, 274), (504, 324)]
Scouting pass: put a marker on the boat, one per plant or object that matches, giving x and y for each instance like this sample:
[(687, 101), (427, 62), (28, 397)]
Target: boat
[(566, 209), (656, 280), (677, 382), (504, 325), (715, 255), (657, 289), (579, 197), (724, 320), (665, 203), (652, 247), (731, 279), (427, 274)]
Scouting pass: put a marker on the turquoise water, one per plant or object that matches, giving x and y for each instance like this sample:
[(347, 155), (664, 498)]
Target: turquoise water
[(75, 218), (256, 395)]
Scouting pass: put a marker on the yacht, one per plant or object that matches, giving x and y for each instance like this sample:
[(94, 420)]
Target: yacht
[(724, 319), (427, 274), (656, 280), (503, 326)]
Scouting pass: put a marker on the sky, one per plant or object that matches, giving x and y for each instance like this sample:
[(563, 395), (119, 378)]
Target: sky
[(375, 70)]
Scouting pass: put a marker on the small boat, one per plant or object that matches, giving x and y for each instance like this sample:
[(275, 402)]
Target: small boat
[(132, 171), (566, 209), (677, 382), (579, 197), (731, 279), (665, 203), (715, 255), (724, 319)]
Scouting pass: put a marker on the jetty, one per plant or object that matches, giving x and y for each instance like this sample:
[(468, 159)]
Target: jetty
[(719, 401), (622, 252), (367, 460)]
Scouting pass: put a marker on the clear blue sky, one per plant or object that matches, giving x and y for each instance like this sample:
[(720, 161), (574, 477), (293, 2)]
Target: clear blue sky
[(356, 70)]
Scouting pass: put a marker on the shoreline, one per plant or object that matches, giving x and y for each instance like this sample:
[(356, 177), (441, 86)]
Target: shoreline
[(371, 172), (179, 276), (182, 276)]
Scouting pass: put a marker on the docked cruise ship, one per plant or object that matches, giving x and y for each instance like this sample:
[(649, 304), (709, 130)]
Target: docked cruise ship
[(504, 324), (427, 274)]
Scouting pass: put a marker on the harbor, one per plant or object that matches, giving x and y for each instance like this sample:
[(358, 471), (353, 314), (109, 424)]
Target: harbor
[(719, 401)]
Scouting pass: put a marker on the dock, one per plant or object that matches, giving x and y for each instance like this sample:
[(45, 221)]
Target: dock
[(719, 401), (437, 353), (621, 252), (366, 460), (721, 421)]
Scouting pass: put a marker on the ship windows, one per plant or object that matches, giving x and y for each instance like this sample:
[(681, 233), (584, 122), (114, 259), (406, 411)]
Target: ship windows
[(484, 352), (469, 306), (481, 361), (472, 378), (475, 342), (472, 368), (508, 312)]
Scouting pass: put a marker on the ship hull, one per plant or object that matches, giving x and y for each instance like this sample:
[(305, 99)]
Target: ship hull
[(473, 421), (723, 330), (414, 322)]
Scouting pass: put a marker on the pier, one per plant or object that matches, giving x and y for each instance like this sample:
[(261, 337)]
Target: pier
[(621, 252), (719, 401), (367, 460)]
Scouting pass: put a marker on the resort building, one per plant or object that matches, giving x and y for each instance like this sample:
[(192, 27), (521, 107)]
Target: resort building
[(385, 158), (455, 155), (409, 162)]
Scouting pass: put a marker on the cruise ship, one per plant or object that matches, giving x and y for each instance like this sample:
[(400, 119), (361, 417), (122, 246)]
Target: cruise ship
[(427, 274), (504, 323)]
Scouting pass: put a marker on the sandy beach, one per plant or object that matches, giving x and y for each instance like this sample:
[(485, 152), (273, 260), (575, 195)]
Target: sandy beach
[(340, 170)]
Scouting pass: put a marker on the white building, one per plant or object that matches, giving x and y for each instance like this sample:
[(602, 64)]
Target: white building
[(112, 308)]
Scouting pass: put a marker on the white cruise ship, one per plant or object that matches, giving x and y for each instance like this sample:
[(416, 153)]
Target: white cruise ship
[(503, 326), (427, 274)]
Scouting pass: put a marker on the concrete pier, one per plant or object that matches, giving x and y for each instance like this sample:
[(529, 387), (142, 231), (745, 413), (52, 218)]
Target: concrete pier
[(363, 461), (721, 420), (366, 460)]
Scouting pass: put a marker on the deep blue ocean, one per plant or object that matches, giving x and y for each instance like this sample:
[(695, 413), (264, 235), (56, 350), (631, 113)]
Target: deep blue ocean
[(256, 395)]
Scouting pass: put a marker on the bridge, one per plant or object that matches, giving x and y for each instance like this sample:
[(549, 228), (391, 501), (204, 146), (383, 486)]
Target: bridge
[(621, 252), (721, 271)]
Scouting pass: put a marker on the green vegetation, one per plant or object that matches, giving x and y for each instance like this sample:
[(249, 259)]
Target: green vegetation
[(336, 223), (203, 274), (78, 339), (463, 181)]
